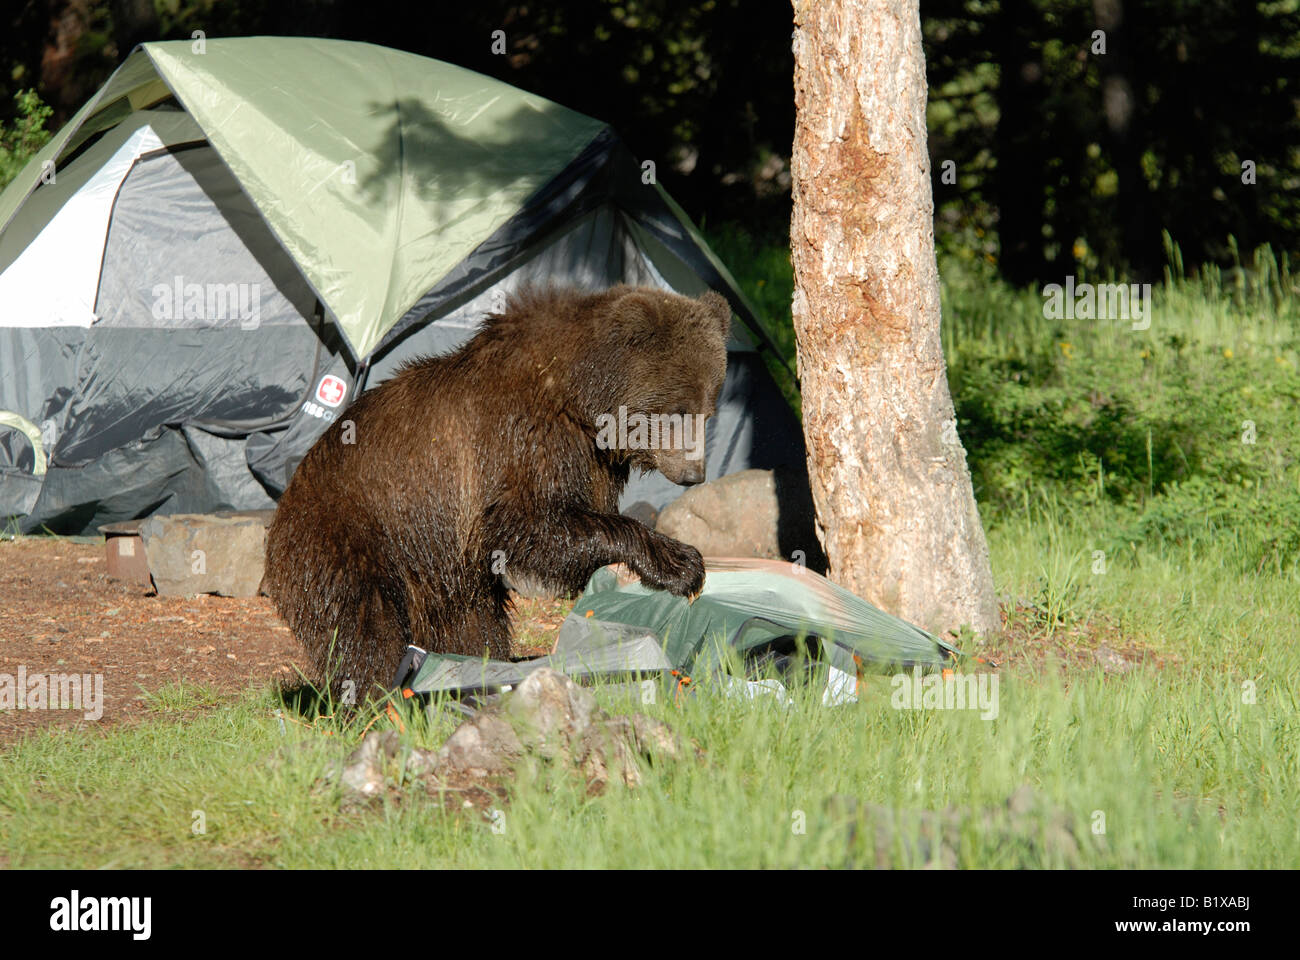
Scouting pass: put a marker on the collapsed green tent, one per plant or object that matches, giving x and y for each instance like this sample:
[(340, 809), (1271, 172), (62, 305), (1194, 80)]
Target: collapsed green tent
[(750, 616), (235, 237)]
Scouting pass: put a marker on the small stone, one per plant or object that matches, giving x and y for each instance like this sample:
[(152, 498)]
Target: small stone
[(481, 747), (1111, 661), (198, 553), (362, 776)]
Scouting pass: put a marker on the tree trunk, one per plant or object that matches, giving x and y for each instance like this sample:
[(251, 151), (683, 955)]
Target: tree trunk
[(895, 511)]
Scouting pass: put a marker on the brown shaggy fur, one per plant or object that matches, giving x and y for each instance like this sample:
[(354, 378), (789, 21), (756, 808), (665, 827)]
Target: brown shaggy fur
[(391, 540)]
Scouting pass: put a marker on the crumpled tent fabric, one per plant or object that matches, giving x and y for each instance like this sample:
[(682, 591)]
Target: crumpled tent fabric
[(747, 605)]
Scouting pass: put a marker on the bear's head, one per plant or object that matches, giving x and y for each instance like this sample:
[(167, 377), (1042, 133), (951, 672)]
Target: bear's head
[(672, 352)]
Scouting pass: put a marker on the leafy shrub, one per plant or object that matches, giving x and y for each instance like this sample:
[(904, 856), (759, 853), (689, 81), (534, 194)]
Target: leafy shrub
[(1183, 434), (22, 139)]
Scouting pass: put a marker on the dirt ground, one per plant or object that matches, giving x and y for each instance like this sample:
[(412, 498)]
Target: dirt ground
[(61, 613)]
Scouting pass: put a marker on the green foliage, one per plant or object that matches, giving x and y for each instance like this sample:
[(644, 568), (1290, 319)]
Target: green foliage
[(1186, 429), (24, 137), (1181, 434), (1051, 178)]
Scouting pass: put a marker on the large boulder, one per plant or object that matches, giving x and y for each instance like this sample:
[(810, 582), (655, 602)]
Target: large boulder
[(192, 553), (751, 513)]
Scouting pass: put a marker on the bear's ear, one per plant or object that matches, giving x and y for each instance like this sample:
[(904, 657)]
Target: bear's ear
[(716, 306), (636, 316)]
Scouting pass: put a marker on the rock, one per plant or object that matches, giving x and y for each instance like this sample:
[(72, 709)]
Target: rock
[(647, 513), (1111, 661), (618, 743), (420, 763), (362, 777), (193, 553), (611, 752), (480, 748), (367, 771), (550, 717), (654, 738), (547, 716), (751, 513), (551, 713)]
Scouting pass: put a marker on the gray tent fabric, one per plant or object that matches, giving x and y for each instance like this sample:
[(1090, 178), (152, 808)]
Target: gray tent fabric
[(173, 127), (210, 366), (610, 650), (180, 215), (143, 413)]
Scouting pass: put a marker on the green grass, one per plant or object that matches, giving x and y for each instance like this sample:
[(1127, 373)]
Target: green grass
[(1158, 751), (1122, 508)]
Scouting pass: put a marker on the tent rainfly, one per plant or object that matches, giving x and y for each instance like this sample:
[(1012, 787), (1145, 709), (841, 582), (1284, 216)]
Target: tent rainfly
[(232, 239), (753, 617)]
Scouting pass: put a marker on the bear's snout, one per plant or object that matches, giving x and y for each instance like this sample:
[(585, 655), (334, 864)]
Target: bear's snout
[(691, 475)]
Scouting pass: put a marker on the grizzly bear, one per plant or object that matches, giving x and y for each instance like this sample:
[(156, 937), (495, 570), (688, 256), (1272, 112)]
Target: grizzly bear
[(502, 461)]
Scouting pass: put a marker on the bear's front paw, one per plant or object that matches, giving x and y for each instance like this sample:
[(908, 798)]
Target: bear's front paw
[(676, 567)]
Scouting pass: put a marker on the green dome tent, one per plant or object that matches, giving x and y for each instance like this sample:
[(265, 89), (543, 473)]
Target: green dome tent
[(234, 237)]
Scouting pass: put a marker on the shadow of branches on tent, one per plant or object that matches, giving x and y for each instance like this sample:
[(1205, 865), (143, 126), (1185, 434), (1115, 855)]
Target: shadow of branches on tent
[(459, 176)]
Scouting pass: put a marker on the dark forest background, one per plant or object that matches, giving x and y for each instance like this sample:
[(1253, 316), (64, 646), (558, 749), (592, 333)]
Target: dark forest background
[(1073, 159)]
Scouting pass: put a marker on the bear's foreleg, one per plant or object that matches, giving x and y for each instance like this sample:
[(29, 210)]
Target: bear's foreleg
[(577, 543)]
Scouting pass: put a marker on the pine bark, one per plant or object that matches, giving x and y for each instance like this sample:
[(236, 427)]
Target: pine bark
[(895, 510)]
